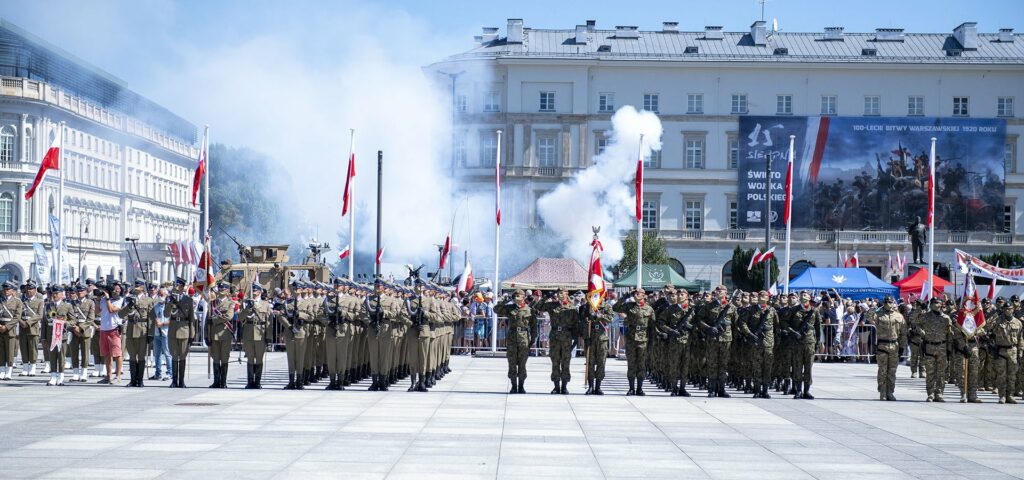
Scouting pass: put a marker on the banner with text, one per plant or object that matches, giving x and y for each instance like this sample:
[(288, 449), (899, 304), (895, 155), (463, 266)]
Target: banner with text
[(854, 173)]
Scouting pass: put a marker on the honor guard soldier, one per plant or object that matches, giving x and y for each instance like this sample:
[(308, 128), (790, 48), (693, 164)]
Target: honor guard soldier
[(288, 308), (717, 320), (594, 324), (135, 313), (936, 330), (220, 333), (639, 318), (28, 329), (418, 337), (83, 313), (339, 335), (180, 310), (562, 340), (891, 334), (673, 326), (1009, 342), (381, 311), (804, 324), (761, 329), (58, 311), (522, 325), (11, 312), (254, 317)]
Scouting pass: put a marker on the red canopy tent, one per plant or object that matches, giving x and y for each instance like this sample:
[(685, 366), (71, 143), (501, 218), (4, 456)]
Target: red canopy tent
[(911, 285)]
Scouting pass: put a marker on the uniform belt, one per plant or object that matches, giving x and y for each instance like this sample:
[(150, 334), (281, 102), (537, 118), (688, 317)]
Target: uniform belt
[(886, 341), (1001, 346), (934, 343)]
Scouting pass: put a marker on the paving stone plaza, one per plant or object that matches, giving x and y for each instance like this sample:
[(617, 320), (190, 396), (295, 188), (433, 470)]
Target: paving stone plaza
[(467, 427)]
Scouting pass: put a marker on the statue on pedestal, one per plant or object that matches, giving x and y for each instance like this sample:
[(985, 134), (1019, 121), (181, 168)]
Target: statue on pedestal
[(918, 237)]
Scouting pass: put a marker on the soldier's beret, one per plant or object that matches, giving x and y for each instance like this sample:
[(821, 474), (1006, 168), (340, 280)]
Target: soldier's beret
[(90, 281), (179, 281), (1014, 298)]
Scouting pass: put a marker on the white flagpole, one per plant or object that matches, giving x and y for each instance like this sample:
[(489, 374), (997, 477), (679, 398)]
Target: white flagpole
[(60, 210), (497, 239), (931, 226), (206, 203), (789, 214), (351, 209), (640, 221)]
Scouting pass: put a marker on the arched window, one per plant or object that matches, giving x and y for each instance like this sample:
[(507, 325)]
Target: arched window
[(7, 140), (6, 213)]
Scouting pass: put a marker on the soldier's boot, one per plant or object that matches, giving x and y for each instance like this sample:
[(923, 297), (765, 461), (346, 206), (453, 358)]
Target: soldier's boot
[(134, 373), (785, 387), (557, 389), (590, 387), (259, 375), (141, 373), (307, 377), (721, 391), (712, 388), (412, 383), (764, 392), (249, 376), (632, 385), (682, 388), (515, 386), (640, 387), (373, 384), (131, 373), (597, 388), (807, 392), (1010, 400), (522, 388), (346, 378), (384, 385), (179, 370), (216, 376), (890, 397), (447, 368), (565, 388), (420, 385), (223, 374)]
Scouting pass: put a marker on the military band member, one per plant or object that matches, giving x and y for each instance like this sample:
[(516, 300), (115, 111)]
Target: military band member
[(639, 318), (28, 328), (11, 309), (83, 313), (254, 317), (180, 310), (220, 333)]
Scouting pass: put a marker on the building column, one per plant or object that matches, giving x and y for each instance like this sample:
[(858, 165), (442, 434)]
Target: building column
[(22, 207), (22, 139)]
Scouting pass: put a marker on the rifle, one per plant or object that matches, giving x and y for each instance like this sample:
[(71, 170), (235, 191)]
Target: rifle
[(374, 312)]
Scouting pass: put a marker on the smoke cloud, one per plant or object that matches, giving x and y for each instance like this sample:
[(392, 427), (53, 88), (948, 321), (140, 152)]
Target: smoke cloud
[(602, 195)]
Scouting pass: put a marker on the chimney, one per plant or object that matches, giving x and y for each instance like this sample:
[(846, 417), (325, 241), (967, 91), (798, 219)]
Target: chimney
[(888, 34), (591, 25), (967, 35), (490, 35), (515, 30), (626, 31), (833, 33), (1006, 35), (758, 33), (670, 27), (581, 34), (713, 32)]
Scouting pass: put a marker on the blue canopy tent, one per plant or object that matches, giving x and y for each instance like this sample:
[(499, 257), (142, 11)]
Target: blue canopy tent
[(855, 283)]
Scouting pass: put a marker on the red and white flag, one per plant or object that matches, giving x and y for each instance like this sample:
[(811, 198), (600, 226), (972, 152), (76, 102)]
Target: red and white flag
[(753, 258), (595, 277), (971, 317), (852, 262), (349, 178), (931, 188), (380, 254), (344, 253), (446, 250), (759, 257), (497, 184), (204, 274), (51, 161), (788, 205), (639, 188), (197, 178), (57, 335), (175, 252), (466, 280)]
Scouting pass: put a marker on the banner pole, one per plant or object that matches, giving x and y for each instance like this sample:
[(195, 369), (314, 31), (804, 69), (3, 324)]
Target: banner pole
[(931, 222), (640, 222), (789, 211)]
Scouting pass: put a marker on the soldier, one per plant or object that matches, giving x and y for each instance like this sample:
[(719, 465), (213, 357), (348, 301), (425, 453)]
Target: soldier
[(381, 309), (253, 317), (564, 321), (804, 324), (418, 337), (57, 310), (594, 325), (292, 313), (1009, 341), (522, 327), (968, 346), (674, 325), (935, 329), (336, 336), (28, 329), (717, 321), (136, 316), (760, 328), (891, 335), (639, 318), (83, 328), (180, 309), (916, 360), (315, 325), (11, 312), (220, 333)]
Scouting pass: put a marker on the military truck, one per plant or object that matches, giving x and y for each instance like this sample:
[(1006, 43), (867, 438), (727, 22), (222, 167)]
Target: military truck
[(268, 266)]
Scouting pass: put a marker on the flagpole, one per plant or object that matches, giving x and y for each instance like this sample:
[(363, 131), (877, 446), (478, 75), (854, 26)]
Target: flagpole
[(640, 221), (60, 210), (789, 212), (380, 202), (497, 242), (206, 204), (351, 208), (931, 220)]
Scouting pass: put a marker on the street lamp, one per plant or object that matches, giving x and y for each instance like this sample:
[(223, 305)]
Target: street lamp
[(83, 226)]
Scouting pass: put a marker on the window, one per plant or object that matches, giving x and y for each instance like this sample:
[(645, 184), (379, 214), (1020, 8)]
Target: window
[(606, 102), (739, 104), (602, 143), (960, 107), (694, 214), (7, 145), (651, 102), (546, 152), (734, 215), (915, 105), (492, 102), (649, 215), (828, 104), (6, 213), (1010, 155), (547, 101), (872, 105), (783, 104), (695, 103), (653, 160), (694, 148), (734, 153), (1007, 219), (488, 148), (460, 103), (1004, 107), (459, 150)]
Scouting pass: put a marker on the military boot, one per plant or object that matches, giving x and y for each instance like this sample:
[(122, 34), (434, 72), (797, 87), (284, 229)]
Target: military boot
[(224, 375), (249, 377), (640, 387), (565, 387), (420, 385), (682, 388), (384, 383), (412, 383), (785, 387), (515, 387), (557, 389), (216, 376), (522, 388), (807, 392), (721, 391), (632, 385), (712, 388), (590, 387), (1010, 400), (373, 384), (764, 392), (259, 375), (141, 373), (179, 370), (131, 372), (597, 388)]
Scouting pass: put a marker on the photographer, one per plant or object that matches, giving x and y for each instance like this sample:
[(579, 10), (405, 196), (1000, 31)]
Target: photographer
[(110, 302)]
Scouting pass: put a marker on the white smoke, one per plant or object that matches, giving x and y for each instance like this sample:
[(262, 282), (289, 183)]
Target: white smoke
[(602, 195)]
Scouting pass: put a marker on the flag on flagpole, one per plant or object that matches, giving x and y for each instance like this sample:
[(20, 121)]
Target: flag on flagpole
[(344, 253), (204, 274), (639, 189), (931, 190), (766, 256), (349, 178), (51, 161), (595, 276), (854, 260), (971, 317), (197, 178), (466, 280), (846, 260), (446, 250), (497, 187), (380, 254), (788, 205), (175, 253), (753, 258)]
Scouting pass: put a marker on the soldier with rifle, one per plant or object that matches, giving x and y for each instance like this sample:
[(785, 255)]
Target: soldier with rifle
[(522, 331), (594, 324), (717, 321), (180, 309), (418, 338), (760, 329), (380, 309), (135, 312), (639, 319), (220, 333), (564, 322), (674, 326), (28, 329), (11, 312)]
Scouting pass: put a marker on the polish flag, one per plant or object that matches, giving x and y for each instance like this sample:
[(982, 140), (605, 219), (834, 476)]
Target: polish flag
[(931, 188), (204, 274), (970, 317), (595, 278), (380, 254), (497, 185), (349, 178), (854, 261), (788, 205), (466, 280), (344, 253), (759, 257), (639, 189), (175, 252), (446, 250), (51, 161), (197, 179), (753, 258)]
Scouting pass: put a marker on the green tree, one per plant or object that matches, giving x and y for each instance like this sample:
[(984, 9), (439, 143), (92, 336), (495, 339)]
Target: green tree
[(654, 252), (750, 280)]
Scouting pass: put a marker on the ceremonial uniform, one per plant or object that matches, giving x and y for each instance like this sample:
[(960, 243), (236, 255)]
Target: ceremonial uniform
[(83, 328), (935, 329), (28, 331), (564, 321), (180, 309), (10, 314), (57, 313), (594, 327), (338, 338), (135, 313), (254, 317), (219, 335)]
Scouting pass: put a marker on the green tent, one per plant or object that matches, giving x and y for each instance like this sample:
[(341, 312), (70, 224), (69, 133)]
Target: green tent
[(656, 277)]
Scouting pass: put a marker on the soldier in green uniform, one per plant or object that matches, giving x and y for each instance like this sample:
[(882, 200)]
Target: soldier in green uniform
[(11, 309), (1006, 331), (968, 348), (254, 316), (639, 319), (674, 325), (220, 333), (717, 321), (522, 327), (916, 360), (759, 328), (28, 328), (935, 327), (891, 336), (804, 323), (135, 313), (564, 321), (594, 325)]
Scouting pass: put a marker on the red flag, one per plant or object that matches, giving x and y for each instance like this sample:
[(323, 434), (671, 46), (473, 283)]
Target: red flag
[(446, 250), (204, 273), (380, 254), (991, 290), (770, 254), (51, 161), (931, 190), (788, 205), (57, 334), (344, 253), (854, 261), (753, 258), (497, 190), (971, 317), (639, 189), (595, 277), (348, 184), (466, 280), (197, 179), (175, 252)]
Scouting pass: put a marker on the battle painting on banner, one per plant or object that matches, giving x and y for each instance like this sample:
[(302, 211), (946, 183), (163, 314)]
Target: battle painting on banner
[(871, 173)]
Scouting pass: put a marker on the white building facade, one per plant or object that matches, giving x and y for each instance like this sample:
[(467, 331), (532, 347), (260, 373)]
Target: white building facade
[(128, 166), (552, 92)]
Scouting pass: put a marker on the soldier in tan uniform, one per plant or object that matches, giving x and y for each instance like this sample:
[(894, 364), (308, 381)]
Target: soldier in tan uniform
[(28, 328), (1006, 330), (135, 314), (82, 329), (891, 335), (254, 317), (11, 308), (220, 333), (57, 310), (337, 336), (180, 310), (936, 329), (382, 310)]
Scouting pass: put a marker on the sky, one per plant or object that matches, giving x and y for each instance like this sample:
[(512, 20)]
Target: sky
[(290, 78)]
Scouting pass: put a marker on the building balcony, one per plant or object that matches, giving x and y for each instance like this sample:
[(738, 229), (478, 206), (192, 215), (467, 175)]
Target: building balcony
[(25, 240)]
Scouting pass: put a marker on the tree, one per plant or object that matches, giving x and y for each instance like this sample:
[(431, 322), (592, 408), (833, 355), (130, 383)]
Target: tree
[(750, 280), (654, 252)]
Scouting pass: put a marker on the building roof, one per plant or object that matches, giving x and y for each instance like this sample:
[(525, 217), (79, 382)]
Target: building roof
[(900, 47), (549, 273)]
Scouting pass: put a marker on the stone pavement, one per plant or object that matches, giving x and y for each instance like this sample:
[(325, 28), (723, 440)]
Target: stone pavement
[(467, 427)]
